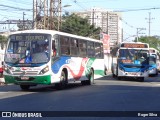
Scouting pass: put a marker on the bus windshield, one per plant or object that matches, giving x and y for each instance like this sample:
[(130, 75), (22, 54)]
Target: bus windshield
[(28, 48), (135, 56)]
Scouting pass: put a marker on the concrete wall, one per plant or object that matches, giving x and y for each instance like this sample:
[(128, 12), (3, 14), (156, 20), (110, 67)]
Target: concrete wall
[(108, 61)]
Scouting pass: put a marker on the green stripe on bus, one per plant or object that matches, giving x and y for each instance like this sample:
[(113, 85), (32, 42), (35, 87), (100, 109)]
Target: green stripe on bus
[(88, 66), (46, 79), (99, 72)]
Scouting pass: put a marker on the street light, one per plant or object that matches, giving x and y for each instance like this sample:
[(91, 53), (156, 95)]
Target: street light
[(60, 19), (66, 6)]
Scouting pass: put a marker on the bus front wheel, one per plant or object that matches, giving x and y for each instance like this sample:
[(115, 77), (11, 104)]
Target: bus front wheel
[(63, 82), (141, 79), (25, 87)]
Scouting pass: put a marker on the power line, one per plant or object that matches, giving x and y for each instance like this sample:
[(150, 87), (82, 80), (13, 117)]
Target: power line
[(15, 7), (126, 23), (131, 10), (77, 3), (24, 2)]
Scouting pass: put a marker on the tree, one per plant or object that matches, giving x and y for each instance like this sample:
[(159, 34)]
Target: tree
[(3, 38), (3, 41), (153, 42), (79, 26)]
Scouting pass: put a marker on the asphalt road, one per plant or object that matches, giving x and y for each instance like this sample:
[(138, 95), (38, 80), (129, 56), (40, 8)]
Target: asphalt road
[(107, 94)]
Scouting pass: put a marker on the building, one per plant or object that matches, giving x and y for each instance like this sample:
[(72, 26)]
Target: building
[(109, 21)]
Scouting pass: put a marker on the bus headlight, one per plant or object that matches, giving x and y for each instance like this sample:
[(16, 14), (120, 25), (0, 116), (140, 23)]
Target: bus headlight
[(6, 69), (122, 69), (146, 71), (44, 70)]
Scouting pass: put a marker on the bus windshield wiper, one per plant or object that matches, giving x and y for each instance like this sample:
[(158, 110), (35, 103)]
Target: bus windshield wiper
[(19, 60)]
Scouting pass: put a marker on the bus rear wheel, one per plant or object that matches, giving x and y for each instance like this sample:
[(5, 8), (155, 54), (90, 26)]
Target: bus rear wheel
[(25, 87), (63, 82), (90, 81), (84, 82), (113, 75), (119, 78)]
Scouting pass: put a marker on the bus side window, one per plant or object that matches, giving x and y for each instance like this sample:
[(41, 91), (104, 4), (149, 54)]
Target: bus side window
[(65, 45), (74, 46), (90, 49), (97, 50), (82, 48)]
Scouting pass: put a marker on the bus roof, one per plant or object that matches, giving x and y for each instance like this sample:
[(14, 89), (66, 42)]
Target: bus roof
[(153, 50), (53, 32)]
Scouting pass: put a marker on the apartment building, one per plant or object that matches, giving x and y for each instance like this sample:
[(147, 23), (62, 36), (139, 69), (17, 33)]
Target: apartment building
[(109, 21)]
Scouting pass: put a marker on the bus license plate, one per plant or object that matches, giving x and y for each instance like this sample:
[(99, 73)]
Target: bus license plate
[(133, 74), (24, 78)]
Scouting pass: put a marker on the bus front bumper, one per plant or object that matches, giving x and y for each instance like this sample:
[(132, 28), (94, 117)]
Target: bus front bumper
[(133, 74), (28, 80)]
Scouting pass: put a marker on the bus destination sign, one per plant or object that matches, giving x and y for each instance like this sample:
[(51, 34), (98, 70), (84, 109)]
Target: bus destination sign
[(25, 37), (29, 37), (129, 45)]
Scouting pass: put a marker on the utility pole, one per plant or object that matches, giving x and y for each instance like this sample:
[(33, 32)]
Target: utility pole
[(55, 14), (107, 23), (34, 14), (23, 21), (40, 14), (93, 17), (149, 23), (47, 14)]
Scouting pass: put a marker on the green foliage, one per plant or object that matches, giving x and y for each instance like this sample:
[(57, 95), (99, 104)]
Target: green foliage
[(3, 38), (79, 26), (153, 42), (3, 41)]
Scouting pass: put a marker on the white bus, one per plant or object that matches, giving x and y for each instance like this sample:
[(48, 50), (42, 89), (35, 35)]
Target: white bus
[(158, 61), (130, 59), (1, 61), (153, 61), (35, 57)]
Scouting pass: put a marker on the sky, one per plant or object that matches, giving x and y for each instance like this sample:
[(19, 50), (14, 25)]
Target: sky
[(135, 13)]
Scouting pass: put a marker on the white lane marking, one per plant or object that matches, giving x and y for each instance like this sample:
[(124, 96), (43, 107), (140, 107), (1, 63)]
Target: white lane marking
[(9, 94)]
